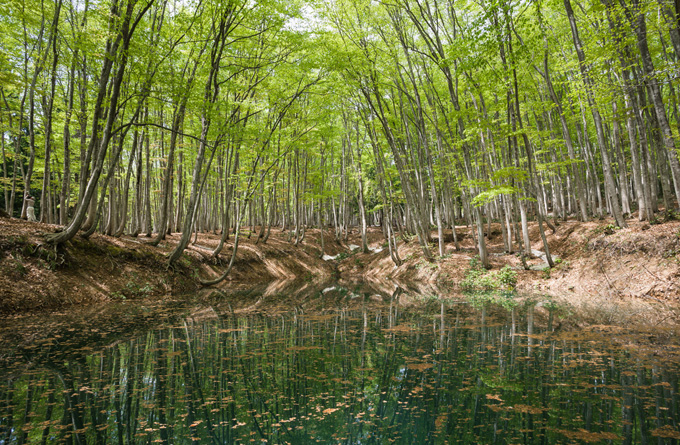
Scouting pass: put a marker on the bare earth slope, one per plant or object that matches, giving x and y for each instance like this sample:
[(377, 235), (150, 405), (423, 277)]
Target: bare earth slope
[(35, 276), (598, 265)]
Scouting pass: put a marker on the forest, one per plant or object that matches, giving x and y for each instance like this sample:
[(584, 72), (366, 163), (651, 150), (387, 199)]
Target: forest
[(458, 221), (151, 117)]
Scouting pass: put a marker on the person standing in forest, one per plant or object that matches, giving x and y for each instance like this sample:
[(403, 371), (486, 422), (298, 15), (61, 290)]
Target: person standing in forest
[(30, 209)]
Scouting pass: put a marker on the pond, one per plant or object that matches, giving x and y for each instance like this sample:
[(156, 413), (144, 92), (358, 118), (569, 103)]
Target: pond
[(333, 365)]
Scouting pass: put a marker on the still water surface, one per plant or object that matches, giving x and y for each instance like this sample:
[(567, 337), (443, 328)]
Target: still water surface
[(333, 366)]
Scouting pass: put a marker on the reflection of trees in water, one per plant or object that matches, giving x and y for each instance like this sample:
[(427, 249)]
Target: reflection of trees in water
[(347, 376)]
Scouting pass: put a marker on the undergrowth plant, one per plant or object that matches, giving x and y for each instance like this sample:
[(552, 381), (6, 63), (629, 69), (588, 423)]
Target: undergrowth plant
[(478, 278)]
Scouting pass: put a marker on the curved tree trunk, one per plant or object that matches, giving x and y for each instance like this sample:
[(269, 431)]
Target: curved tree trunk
[(124, 36)]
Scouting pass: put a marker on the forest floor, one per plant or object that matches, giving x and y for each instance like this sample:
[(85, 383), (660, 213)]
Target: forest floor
[(614, 276)]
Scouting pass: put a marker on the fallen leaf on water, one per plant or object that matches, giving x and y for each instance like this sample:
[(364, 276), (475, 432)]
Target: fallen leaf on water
[(419, 366), (666, 431)]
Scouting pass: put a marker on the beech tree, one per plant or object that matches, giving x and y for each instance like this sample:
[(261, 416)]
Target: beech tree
[(148, 117)]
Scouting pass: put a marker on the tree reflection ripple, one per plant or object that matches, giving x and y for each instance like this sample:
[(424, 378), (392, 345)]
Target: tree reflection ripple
[(369, 372)]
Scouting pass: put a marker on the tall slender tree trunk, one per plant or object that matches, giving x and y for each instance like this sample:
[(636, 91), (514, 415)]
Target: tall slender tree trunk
[(610, 187), (638, 21), (45, 214), (124, 37)]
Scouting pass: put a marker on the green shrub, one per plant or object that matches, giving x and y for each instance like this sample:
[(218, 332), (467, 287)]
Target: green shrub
[(423, 264), (476, 263), (507, 277), (665, 216), (478, 278), (546, 273), (609, 229), (134, 289)]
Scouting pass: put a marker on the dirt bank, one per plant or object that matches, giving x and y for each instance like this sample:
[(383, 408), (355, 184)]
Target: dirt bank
[(593, 258), (35, 276), (609, 275), (599, 266)]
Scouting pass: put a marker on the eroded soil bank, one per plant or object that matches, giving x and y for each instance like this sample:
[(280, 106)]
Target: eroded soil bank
[(618, 275)]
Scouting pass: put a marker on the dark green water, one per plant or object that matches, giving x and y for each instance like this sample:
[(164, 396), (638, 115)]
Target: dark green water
[(336, 367)]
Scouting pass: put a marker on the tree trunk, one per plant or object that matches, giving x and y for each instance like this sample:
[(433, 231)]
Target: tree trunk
[(610, 187), (638, 22), (125, 36)]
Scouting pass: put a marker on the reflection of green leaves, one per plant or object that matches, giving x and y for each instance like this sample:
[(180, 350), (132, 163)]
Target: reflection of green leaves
[(334, 368), (493, 380), (482, 298)]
